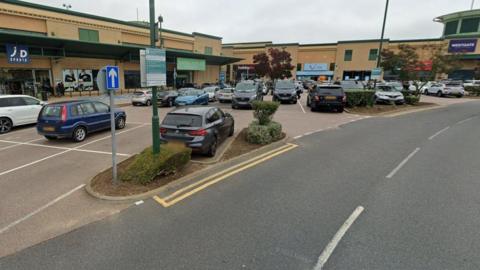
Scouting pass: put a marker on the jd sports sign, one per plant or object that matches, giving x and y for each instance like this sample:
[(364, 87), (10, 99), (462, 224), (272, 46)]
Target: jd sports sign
[(17, 54)]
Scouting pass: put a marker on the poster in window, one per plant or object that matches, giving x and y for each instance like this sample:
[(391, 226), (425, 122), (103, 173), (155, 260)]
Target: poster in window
[(85, 80), (70, 79)]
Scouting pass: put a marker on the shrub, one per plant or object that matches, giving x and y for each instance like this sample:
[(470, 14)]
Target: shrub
[(264, 111), (146, 166), (412, 100), (275, 130), (258, 134), (360, 98), (473, 90)]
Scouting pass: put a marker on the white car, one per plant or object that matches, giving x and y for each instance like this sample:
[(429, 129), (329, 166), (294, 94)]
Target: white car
[(17, 110), (388, 94), (425, 87), (471, 83), (225, 95), (446, 89), (212, 92), (142, 97)]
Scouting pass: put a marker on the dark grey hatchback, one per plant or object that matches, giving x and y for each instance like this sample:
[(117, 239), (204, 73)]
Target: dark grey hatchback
[(200, 128)]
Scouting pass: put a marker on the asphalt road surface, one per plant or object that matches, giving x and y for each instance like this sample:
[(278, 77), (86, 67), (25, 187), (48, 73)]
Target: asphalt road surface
[(416, 177)]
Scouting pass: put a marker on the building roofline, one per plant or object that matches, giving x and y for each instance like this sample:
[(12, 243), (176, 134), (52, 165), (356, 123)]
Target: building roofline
[(458, 14), (207, 36), (242, 43), (318, 44), (86, 15), (416, 40), (363, 41)]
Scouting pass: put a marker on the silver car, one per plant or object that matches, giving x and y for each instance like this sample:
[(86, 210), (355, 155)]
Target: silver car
[(225, 95), (142, 97), (388, 94)]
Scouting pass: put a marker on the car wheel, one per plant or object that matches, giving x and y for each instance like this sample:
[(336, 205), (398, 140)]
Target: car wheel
[(5, 125), (232, 131), (234, 107), (308, 102), (426, 92), (170, 103), (459, 96), (312, 108), (50, 138), (120, 123), (213, 148), (439, 94), (79, 134), (149, 103), (340, 110)]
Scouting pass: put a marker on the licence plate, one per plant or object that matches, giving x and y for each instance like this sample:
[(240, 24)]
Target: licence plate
[(48, 129), (330, 98)]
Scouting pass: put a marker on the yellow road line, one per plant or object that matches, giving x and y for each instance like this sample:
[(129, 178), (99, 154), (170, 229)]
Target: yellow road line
[(164, 202), (222, 172)]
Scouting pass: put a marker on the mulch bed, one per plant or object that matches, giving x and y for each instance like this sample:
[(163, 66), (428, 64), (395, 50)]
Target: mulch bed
[(383, 109), (240, 146)]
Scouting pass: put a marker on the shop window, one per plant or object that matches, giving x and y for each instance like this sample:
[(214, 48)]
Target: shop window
[(348, 55), (469, 25), (451, 28), (299, 67), (88, 35), (332, 67), (373, 55), (209, 50), (132, 79)]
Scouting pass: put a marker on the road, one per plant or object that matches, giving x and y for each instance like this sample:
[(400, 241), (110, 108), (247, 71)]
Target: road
[(416, 176)]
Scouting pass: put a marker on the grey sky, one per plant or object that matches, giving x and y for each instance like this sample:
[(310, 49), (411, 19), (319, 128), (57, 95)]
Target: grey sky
[(304, 21)]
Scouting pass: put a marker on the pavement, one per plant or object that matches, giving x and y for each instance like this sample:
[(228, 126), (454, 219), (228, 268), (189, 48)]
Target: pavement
[(414, 179)]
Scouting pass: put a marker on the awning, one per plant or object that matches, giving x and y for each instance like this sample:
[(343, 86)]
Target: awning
[(470, 57), (58, 47), (315, 73)]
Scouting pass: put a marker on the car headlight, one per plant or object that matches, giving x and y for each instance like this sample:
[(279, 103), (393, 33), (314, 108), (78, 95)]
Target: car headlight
[(253, 97)]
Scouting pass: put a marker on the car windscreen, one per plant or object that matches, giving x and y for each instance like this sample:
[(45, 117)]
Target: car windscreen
[(336, 91), (351, 85), (209, 89), (284, 85), (163, 93), (397, 86), (52, 111), (454, 84), (386, 88), (138, 93), (226, 90), (192, 92), (182, 120), (245, 87)]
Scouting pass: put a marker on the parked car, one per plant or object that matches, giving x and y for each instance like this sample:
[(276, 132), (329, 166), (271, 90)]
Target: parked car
[(225, 95), (388, 94), (285, 91), (167, 98), (17, 110), (76, 119), (245, 93), (191, 96), (211, 91), (471, 83), (425, 86), (351, 85), (142, 97), (201, 128), (398, 86), (327, 96), (452, 88)]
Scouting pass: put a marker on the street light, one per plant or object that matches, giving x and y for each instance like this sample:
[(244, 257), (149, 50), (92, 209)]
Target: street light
[(155, 118), (67, 6), (160, 21), (383, 34)]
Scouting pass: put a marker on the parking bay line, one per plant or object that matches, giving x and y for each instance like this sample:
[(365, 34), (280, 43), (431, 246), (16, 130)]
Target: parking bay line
[(63, 152), (61, 197), (327, 252), (394, 171), (303, 110), (15, 144), (181, 194), (438, 133)]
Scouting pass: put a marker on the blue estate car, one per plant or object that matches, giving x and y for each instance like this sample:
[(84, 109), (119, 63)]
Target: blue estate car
[(191, 96), (76, 119)]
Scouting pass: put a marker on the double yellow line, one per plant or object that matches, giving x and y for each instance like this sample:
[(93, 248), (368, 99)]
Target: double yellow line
[(189, 190)]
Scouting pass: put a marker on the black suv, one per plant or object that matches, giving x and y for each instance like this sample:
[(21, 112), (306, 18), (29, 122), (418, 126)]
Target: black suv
[(285, 91), (327, 96)]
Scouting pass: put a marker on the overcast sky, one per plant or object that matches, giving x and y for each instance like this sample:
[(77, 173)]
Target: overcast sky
[(280, 21)]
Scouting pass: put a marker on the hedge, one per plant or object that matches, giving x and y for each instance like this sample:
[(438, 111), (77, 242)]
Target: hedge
[(473, 90), (412, 100), (360, 98), (264, 134), (263, 111), (146, 166)]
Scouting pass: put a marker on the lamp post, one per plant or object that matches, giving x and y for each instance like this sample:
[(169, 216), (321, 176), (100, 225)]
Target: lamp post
[(473, 4), (155, 118), (383, 34)]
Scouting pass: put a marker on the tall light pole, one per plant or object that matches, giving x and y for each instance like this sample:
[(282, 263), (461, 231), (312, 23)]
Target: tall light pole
[(473, 4), (383, 34), (155, 118)]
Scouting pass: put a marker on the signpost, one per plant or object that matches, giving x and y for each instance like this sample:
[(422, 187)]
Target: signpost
[(108, 81)]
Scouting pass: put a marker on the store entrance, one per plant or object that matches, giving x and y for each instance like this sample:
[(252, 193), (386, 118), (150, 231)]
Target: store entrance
[(24, 81)]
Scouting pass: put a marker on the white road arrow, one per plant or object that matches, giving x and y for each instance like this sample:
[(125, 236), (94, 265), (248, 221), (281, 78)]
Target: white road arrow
[(113, 75)]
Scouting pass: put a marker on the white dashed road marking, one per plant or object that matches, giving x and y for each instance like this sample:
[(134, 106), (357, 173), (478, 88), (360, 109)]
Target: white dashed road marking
[(438, 133), (391, 174)]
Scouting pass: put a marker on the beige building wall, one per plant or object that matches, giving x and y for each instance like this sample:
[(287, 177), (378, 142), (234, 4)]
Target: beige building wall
[(360, 61), (210, 75), (317, 54), (26, 23), (201, 42)]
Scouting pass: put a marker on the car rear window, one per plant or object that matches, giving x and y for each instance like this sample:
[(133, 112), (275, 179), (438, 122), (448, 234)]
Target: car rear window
[(453, 84), (182, 120), (330, 91), (138, 93), (52, 111)]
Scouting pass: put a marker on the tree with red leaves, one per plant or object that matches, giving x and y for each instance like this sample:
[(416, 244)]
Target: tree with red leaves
[(276, 65)]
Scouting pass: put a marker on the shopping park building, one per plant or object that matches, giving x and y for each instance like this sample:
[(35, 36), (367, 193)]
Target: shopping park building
[(44, 45)]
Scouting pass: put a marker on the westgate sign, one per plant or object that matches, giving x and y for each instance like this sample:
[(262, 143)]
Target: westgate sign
[(17, 54), (462, 45)]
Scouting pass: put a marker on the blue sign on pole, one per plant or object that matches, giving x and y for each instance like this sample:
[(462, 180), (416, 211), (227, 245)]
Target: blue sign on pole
[(222, 76), (112, 73), (17, 54)]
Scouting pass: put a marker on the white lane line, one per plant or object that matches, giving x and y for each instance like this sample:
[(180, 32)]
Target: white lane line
[(466, 120), (139, 202), (438, 133), (16, 143), (59, 148), (63, 152), (327, 252), (4, 229), (303, 110), (391, 174), (298, 137)]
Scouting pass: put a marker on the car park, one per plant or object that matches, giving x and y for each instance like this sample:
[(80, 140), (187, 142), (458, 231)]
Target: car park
[(388, 94), (167, 98), (191, 96), (76, 119), (452, 88), (142, 97), (211, 91), (327, 96), (225, 95), (17, 110), (285, 91), (245, 93), (201, 128)]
